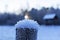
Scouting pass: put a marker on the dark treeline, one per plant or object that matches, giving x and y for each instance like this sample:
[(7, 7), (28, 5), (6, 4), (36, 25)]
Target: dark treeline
[(9, 19), (37, 15)]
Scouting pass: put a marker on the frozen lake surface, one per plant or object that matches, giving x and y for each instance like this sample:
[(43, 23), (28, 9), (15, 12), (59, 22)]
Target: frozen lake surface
[(44, 33)]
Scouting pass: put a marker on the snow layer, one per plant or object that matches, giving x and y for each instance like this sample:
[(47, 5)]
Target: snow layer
[(49, 16), (27, 24)]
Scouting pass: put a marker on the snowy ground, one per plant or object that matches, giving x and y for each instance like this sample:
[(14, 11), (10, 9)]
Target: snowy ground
[(7, 33), (44, 33), (49, 33)]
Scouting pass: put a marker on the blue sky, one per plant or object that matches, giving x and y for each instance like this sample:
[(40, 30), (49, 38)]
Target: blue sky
[(16, 5)]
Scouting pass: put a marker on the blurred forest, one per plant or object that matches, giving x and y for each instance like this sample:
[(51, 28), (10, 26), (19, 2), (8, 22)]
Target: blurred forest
[(37, 15)]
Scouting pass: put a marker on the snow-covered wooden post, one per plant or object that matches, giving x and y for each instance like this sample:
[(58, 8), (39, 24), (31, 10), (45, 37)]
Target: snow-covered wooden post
[(26, 30)]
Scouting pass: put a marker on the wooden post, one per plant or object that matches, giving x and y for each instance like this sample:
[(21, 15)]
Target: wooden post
[(26, 34), (26, 30)]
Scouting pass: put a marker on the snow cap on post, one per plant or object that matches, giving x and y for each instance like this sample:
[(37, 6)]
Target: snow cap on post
[(27, 24)]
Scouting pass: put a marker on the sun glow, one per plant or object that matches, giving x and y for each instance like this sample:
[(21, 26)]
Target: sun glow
[(26, 17)]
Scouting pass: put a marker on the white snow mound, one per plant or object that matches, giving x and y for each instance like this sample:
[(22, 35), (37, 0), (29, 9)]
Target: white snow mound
[(27, 24)]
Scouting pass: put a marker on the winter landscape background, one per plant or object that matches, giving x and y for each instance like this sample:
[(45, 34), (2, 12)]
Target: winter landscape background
[(12, 11)]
